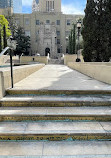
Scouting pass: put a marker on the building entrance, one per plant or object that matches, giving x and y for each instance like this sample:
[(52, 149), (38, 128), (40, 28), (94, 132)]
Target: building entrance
[(47, 51)]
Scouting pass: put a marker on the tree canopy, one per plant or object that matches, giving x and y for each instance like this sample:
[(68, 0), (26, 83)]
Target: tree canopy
[(96, 31), (72, 41), (12, 25), (4, 22), (4, 32), (23, 42)]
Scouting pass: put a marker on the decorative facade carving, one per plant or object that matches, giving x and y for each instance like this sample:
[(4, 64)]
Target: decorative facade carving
[(47, 40)]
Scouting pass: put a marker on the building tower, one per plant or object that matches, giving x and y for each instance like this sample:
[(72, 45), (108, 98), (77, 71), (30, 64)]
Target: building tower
[(46, 5), (6, 3), (35, 5), (50, 5), (47, 36)]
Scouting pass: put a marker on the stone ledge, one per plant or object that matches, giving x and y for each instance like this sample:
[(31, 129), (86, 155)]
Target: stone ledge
[(98, 71), (19, 73)]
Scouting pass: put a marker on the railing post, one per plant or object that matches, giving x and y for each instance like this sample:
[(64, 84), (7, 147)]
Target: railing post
[(11, 66)]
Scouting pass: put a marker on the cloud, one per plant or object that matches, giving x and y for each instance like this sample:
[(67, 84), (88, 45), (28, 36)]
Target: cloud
[(70, 9)]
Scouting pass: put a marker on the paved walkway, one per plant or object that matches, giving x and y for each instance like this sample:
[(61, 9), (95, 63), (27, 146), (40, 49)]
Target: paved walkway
[(64, 149), (60, 77)]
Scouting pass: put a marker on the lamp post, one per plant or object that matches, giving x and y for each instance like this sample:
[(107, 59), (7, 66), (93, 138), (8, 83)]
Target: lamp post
[(12, 45), (67, 40), (78, 50)]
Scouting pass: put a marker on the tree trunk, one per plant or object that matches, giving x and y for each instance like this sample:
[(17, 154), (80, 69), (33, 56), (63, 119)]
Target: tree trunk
[(4, 37), (0, 42)]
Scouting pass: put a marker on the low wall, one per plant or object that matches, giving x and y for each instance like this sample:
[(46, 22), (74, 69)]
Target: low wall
[(98, 71), (99, 63), (71, 58), (19, 73), (3, 59), (40, 59)]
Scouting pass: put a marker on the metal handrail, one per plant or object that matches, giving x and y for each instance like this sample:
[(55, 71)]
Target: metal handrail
[(4, 51), (11, 66)]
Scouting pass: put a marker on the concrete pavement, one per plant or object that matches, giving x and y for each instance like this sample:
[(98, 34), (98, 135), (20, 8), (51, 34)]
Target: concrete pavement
[(64, 149), (60, 77)]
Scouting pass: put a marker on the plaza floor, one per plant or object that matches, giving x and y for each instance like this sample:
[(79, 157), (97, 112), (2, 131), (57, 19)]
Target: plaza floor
[(60, 77)]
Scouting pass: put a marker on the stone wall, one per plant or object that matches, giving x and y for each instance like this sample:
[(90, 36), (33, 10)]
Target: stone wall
[(19, 73), (98, 71), (71, 58), (3, 59), (27, 59)]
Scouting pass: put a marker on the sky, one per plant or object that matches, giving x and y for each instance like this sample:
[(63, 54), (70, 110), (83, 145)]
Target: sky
[(68, 6)]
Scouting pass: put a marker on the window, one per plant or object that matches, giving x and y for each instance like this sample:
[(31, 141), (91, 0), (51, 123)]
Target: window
[(37, 35), (53, 5), (58, 41), (68, 22), (26, 21), (37, 22), (58, 22), (27, 33), (47, 21), (67, 33), (58, 50), (58, 33), (48, 6)]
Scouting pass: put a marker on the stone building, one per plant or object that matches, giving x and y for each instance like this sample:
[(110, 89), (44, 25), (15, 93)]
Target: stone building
[(35, 5), (47, 27)]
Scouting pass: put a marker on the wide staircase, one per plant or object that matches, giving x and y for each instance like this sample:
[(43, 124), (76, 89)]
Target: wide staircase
[(56, 61), (55, 115)]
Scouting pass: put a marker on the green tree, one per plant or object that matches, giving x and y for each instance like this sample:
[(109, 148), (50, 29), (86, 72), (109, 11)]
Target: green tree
[(88, 31), (0, 42), (96, 31), (12, 25), (4, 31), (107, 26), (100, 32), (72, 41), (23, 42), (69, 44), (4, 22), (4, 37)]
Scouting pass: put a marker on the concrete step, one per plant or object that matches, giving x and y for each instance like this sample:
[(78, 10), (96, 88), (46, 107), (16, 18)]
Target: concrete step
[(55, 131), (61, 156), (56, 61), (55, 113), (55, 92), (55, 101), (57, 149)]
